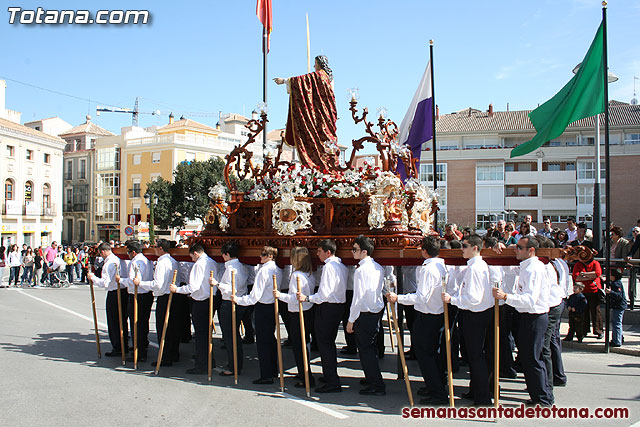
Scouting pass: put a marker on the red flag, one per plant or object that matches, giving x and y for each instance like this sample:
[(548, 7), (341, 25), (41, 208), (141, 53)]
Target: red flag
[(263, 10)]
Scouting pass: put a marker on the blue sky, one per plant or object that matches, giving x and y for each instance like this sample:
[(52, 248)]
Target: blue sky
[(201, 56)]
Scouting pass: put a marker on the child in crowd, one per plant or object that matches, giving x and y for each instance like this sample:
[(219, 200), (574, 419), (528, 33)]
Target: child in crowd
[(576, 306), (618, 304)]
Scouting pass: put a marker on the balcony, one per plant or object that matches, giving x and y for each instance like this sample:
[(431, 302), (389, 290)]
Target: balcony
[(80, 207), (68, 207), (49, 210)]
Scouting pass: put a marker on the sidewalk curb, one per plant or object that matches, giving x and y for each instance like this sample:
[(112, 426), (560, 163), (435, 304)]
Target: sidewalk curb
[(599, 348)]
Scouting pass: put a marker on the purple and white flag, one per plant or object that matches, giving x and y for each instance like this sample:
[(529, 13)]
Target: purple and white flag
[(417, 126)]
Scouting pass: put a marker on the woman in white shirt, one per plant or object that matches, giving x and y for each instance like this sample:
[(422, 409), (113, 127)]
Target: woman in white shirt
[(303, 274), (15, 261)]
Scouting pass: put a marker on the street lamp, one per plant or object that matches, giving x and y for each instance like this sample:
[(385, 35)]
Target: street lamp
[(148, 202), (597, 210)]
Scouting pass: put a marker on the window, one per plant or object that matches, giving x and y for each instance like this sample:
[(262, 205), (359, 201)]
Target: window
[(69, 172), (81, 230), (558, 191), (30, 155), (489, 173), (28, 191), (79, 145), (586, 170), (136, 159), (190, 157), (558, 166), (484, 220), (108, 184), (155, 157), (135, 191), (47, 158), (154, 176), (632, 138), (135, 210), (82, 173), (46, 196), (8, 189), (521, 167), (586, 140), (11, 151), (108, 159), (585, 194), (426, 172), (558, 217), (521, 191), (68, 200), (107, 210)]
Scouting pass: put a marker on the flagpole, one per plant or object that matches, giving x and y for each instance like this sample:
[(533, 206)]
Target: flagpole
[(607, 241), (264, 84), (433, 111)]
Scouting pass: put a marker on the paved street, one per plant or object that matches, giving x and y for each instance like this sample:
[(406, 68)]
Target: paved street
[(51, 376)]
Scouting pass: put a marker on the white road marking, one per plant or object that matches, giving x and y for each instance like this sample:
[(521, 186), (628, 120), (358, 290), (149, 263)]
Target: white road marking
[(101, 324)]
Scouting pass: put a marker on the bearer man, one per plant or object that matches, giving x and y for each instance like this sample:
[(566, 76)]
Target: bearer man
[(198, 289), (160, 286), (365, 313), (330, 300), (475, 302), (429, 319), (108, 280), (531, 300)]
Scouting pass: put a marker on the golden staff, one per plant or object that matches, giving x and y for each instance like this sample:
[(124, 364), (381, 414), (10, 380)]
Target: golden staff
[(120, 316), (135, 318), (166, 323), (405, 371), (234, 327), (496, 349), (280, 367), (303, 337), (447, 340), (95, 318), (211, 327)]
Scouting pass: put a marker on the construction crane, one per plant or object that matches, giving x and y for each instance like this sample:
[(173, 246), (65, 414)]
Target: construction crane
[(135, 112)]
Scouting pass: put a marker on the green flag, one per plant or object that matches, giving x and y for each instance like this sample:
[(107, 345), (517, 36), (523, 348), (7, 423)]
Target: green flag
[(582, 97)]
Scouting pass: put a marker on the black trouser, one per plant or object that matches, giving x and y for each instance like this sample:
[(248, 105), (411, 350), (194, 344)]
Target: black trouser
[(266, 341), (507, 365), (474, 331), (531, 342), (454, 333), (171, 351), (552, 352), (283, 309), (200, 317), (350, 339), (576, 319), (84, 274), (366, 329), (327, 322), (592, 313), (426, 341), (145, 302), (112, 318), (410, 316), (296, 341), (247, 321), (224, 315)]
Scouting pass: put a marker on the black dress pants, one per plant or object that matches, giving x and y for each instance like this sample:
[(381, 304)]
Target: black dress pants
[(350, 339), (224, 315), (366, 329), (425, 342), (171, 351), (327, 322), (531, 342), (296, 341), (200, 317), (474, 331), (112, 318), (266, 341), (145, 302)]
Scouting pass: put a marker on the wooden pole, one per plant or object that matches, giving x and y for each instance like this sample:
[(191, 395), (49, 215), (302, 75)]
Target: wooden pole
[(210, 346), (95, 318), (405, 371), (166, 324), (280, 367), (234, 328), (120, 319), (393, 347), (496, 350), (303, 339), (447, 340), (135, 326)]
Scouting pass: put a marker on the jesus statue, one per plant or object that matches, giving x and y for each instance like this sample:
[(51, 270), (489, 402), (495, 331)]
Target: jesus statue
[(311, 121)]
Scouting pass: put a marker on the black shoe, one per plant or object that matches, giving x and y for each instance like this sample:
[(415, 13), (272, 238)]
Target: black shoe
[(263, 381), (559, 384), (511, 375), (348, 351), (196, 371), (328, 389), (434, 401), (301, 384), (163, 363), (567, 339), (364, 381), (113, 353), (614, 345), (370, 391), (580, 339)]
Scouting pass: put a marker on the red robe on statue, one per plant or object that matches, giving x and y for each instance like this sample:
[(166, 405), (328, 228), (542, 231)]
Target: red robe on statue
[(312, 118)]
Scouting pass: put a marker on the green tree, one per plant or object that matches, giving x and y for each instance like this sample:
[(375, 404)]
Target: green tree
[(163, 212)]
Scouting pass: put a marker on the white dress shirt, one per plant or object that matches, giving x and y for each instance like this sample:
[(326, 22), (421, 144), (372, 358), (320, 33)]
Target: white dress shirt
[(427, 298), (456, 274), (333, 283), (241, 274), (139, 266), (262, 290), (162, 276), (475, 287), (109, 269), (532, 292), (565, 280), (198, 284), (307, 284), (571, 234), (367, 289)]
